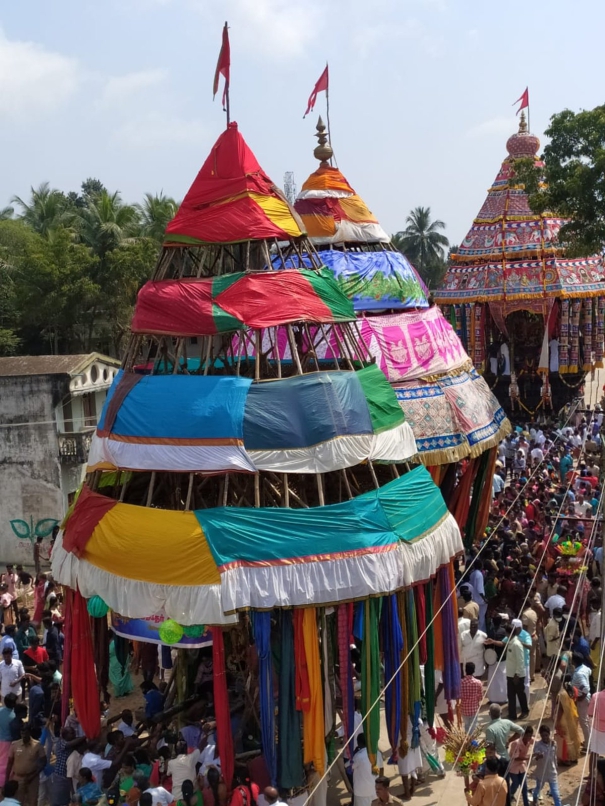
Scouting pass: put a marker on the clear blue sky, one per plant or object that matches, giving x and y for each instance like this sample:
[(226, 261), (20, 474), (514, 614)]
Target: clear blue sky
[(421, 91)]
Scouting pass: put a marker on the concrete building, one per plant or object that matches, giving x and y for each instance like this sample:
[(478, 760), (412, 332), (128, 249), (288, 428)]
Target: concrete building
[(49, 407)]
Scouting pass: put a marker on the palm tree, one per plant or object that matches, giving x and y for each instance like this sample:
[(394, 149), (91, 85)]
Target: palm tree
[(7, 213), (46, 210), (423, 244), (155, 213), (105, 222)]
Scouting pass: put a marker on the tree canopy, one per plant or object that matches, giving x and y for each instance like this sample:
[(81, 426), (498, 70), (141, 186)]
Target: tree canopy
[(571, 182), (424, 245), (71, 266)]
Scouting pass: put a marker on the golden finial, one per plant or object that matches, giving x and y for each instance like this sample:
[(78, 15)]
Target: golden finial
[(323, 151), (522, 123)]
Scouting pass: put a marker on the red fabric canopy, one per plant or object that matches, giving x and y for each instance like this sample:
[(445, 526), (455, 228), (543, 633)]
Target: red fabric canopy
[(216, 208), (88, 511), (204, 307)]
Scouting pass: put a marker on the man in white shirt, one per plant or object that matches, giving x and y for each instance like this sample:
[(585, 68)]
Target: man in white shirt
[(156, 796), (95, 761), (364, 780), (537, 455), (126, 723), (557, 600), (182, 768), (515, 673), (11, 674), (582, 508), (473, 647)]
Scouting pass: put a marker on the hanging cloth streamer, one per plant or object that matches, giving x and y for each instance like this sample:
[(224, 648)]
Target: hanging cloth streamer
[(587, 305), (415, 681), (405, 675), (429, 669), (564, 337), (221, 707), (451, 662), (291, 772), (421, 620), (574, 350), (313, 718), (370, 676), (600, 332), (84, 685), (392, 645), (261, 621), (345, 621)]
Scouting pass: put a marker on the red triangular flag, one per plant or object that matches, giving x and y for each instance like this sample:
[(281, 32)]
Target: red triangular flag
[(524, 100), (321, 85), (222, 66)]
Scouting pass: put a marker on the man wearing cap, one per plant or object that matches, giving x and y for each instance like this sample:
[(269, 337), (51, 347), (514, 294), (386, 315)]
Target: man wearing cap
[(515, 672)]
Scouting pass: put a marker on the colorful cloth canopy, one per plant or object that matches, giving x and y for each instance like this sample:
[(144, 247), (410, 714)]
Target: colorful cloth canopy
[(332, 212), (233, 301), (227, 558), (232, 199), (310, 423), (452, 416), (511, 253)]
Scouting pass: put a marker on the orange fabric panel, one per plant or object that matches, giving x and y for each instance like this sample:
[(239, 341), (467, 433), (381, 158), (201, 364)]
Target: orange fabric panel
[(355, 209), (318, 226), (327, 179)]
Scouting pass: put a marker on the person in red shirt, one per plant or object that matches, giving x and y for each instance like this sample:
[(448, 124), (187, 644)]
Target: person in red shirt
[(34, 655), (471, 694)]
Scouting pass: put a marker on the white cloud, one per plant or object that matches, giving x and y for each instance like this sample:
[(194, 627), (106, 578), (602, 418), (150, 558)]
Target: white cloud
[(33, 80), (119, 90), (280, 27), (498, 125), (156, 129)]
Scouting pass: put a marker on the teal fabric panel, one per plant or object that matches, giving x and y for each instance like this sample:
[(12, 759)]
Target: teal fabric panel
[(402, 510)]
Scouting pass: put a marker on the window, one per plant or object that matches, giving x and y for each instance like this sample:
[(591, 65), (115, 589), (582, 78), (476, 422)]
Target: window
[(89, 406), (68, 416)]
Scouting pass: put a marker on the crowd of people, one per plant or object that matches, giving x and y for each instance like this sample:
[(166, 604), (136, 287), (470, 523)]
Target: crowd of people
[(529, 610)]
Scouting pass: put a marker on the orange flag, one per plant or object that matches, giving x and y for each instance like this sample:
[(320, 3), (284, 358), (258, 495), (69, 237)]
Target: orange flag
[(223, 65), (524, 100), (320, 86)]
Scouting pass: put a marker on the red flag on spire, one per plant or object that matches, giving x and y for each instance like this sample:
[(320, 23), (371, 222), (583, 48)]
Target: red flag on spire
[(320, 86), (222, 66), (524, 100)]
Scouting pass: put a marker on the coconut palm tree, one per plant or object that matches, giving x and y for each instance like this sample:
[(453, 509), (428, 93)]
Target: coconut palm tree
[(105, 222), (7, 213), (46, 210), (155, 213), (423, 244)]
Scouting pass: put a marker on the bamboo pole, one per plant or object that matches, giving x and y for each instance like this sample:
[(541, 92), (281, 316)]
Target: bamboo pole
[(285, 501), (150, 489), (320, 489), (256, 490), (294, 350), (189, 492)]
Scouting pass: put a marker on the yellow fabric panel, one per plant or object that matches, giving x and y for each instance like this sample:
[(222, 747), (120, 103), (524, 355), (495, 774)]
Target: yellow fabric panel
[(327, 179), (313, 720), (152, 545), (278, 211), (318, 226), (355, 209)]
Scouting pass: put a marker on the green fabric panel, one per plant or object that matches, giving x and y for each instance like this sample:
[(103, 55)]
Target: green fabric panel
[(225, 323), (328, 290), (225, 281), (370, 675), (385, 411)]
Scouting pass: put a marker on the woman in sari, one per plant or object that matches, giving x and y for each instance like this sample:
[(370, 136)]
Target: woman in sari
[(119, 674), (568, 735)]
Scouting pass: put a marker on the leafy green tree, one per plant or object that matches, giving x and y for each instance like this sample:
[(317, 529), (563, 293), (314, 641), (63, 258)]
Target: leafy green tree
[(571, 182), (46, 210), (423, 244), (155, 213), (105, 222)]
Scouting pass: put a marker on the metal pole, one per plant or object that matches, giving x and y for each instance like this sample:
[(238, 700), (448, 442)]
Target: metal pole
[(332, 159)]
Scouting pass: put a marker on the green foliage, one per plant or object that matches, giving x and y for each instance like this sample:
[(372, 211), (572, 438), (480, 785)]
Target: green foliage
[(424, 245), (71, 266), (572, 182)]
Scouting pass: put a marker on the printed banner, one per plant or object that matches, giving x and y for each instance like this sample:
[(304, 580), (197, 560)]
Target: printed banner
[(147, 630)]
